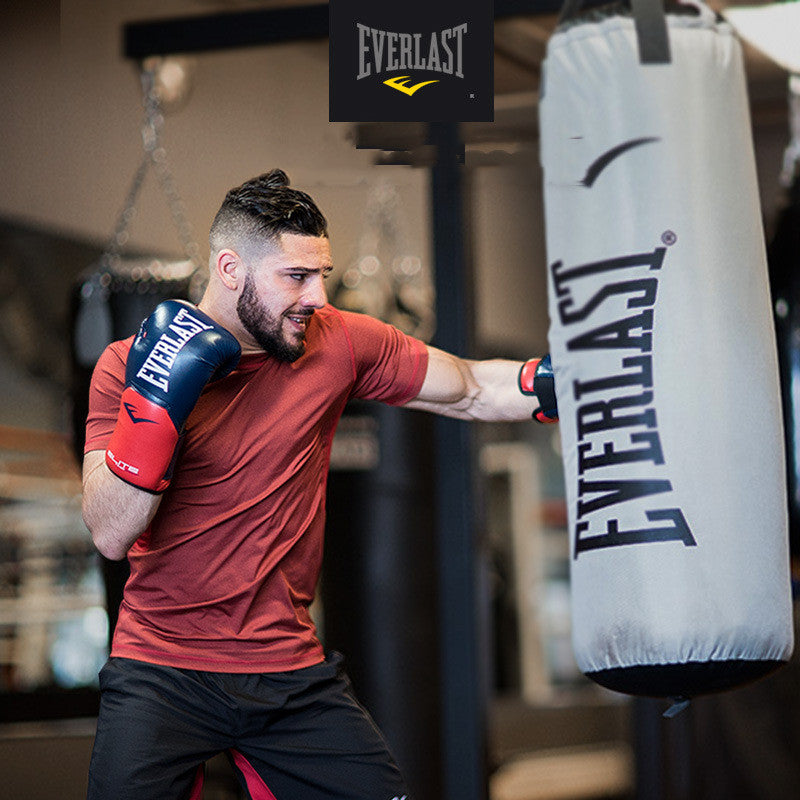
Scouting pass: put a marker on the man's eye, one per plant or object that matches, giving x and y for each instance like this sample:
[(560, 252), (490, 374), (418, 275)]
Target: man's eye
[(297, 276)]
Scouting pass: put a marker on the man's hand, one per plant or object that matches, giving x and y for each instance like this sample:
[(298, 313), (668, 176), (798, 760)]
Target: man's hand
[(177, 351)]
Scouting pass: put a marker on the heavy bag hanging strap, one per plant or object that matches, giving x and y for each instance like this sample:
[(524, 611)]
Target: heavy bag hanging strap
[(651, 31), (651, 28)]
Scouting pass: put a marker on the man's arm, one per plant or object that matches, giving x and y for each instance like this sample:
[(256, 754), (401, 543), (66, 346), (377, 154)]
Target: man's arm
[(115, 512), (473, 390), (177, 351)]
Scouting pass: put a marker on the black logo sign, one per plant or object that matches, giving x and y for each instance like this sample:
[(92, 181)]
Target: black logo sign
[(411, 61)]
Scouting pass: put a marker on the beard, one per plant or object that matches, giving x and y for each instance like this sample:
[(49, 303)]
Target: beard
[(265, 327)]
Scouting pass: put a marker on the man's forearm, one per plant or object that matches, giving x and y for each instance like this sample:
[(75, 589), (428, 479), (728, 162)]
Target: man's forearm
[(115, 512), (499, 398), (473, 390)]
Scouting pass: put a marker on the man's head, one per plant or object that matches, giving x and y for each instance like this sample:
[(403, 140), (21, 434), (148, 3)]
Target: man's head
[(260, 210), (269, 256)]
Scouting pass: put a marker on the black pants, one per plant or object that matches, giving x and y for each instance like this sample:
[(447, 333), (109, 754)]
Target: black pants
[(297, 735)]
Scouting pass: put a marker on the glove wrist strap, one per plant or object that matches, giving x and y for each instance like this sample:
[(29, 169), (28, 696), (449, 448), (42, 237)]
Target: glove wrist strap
[(143, 443)]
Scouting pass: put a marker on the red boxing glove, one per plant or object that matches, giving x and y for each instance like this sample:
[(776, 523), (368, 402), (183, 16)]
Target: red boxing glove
[(143, 443), (536, 379), (177, 351)]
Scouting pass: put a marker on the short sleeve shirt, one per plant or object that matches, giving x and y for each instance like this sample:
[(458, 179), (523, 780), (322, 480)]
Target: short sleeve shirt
[(223, 578)]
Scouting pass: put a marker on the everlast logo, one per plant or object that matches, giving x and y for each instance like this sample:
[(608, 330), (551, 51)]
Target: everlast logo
[(616, 422), (414, 61), (382, 51), (157, 365)]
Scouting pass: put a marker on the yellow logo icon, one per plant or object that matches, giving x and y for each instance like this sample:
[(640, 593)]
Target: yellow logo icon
[(400, 82)]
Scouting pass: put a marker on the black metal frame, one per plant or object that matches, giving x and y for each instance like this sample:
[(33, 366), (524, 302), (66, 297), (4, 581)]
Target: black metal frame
[(464, 694), (259, 27)]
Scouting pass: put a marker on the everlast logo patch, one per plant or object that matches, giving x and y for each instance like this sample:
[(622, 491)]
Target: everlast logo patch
[(616, 420), (415, 61)]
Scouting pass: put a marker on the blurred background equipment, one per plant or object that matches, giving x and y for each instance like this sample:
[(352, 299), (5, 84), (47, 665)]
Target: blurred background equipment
[(52, 622), (784, 272), (384, 279)]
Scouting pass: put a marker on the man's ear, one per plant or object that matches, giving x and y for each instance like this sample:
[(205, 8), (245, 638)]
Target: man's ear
[(230, 269)]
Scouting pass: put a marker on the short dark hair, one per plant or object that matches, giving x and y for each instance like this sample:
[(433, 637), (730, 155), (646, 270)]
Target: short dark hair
[(263, 208)]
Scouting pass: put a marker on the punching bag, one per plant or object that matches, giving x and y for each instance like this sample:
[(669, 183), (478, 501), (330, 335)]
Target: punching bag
[(664, 354)]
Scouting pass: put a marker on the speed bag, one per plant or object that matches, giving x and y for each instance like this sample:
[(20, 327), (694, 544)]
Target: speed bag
[(664, 356)]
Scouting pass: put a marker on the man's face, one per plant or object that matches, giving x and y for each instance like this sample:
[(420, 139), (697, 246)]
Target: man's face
[(281, 291)]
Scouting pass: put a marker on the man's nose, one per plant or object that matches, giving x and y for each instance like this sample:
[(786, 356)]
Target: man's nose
[(315, 295)]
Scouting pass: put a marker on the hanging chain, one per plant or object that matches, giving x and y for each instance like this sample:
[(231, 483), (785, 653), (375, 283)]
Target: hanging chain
[(155, 155)]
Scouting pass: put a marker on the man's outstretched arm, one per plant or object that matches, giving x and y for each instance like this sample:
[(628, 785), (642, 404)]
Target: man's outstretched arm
[(480, 390)]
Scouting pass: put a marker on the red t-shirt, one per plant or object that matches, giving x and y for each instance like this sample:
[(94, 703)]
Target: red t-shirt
[(223, 578)]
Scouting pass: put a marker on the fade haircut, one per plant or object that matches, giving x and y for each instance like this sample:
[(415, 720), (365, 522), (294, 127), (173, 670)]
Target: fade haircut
[(260, 210)]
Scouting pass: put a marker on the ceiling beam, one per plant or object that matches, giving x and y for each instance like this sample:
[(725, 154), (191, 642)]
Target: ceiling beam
[(258, 27), (224, 31)]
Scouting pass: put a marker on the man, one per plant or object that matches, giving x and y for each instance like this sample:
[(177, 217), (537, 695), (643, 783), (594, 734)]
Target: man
[(207, 450)]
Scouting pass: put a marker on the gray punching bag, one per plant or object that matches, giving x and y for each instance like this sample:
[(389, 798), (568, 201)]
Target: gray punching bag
[(664, 354), (379, 579)]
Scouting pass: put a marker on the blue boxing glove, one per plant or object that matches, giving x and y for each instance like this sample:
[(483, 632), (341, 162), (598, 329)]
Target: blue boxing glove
[(177, 351), (536, 379)]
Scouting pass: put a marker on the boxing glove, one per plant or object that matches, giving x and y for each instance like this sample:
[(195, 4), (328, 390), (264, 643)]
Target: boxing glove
[(177, 351), (536, 379)]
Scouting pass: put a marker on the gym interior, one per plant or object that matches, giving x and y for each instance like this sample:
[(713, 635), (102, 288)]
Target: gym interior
[(115, 154)]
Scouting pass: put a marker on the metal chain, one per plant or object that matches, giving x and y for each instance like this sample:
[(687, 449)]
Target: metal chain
[(155, 155)]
